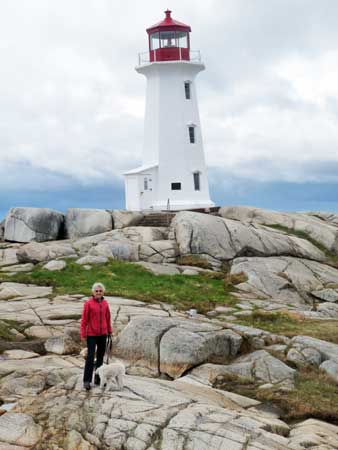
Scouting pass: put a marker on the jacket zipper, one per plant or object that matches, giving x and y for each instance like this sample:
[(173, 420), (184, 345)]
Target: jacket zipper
[(100, 318)]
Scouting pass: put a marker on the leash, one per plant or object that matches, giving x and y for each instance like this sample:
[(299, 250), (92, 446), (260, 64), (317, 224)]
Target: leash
[(109, 346)]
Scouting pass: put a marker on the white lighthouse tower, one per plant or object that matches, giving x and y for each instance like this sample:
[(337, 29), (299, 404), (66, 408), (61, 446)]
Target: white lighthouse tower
[(173, 173)]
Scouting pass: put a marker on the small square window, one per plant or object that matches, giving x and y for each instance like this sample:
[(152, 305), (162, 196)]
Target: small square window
[(187, 90), (175, 186), (192, 134)]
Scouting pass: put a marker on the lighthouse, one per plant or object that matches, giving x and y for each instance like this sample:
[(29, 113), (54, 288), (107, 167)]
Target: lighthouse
[(173, 173)]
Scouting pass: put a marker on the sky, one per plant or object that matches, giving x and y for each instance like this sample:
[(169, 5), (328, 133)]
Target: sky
[(72, 105)]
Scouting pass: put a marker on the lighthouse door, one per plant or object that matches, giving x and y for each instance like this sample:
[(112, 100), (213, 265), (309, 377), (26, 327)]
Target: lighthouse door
[(146, 191)]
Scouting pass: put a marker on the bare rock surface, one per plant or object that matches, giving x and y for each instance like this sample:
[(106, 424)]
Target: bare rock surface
[(314, 434), (10, 290), (8, 256), (172, 346), (55, 265), (90, 259), (218, 239), (19, 354), (87, 222), (34, 252), (16, 268), (148, 413), (33, 224), (259, 367), (20, 429), (122, 218), (326, 295), (285, 279), (323, 231)]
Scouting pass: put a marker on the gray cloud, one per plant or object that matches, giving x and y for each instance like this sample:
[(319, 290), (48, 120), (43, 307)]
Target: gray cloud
[(71, 104)]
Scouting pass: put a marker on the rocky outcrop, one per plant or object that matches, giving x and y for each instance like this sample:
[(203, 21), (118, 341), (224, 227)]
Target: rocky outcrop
[(320, 227), (33, 224), (171, 347), (33, 252), (87, 222), (284, 279), (19, 429), (307, 350), (123, 219), (218, 240), (149, 414), (259, 367)]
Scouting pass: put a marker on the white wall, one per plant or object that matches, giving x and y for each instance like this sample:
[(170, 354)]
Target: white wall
[(166, 135)]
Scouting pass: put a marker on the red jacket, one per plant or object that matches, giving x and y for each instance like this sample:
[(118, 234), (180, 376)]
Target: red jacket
[(95, 320)]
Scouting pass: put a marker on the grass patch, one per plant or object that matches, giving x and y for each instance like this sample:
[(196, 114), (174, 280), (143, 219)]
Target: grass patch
[(332, 259), (290, 324), (193, 260), (203, 291), (7, 325), (315, 395), (235, 278)]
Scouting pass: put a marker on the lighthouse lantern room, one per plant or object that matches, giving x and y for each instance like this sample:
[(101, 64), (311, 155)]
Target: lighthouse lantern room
[(173, 172)]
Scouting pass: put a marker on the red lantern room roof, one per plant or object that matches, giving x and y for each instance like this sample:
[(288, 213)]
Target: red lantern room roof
[(168, 24)]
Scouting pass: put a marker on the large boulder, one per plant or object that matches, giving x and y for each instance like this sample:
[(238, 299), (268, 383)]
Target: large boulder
[(171, 346), (182, 348), (164, 251), (283, 279), (33, 224), (33, 252), (66, 344), (122, 219), (123, 249), (259, 367), (87, 222), (322, 228), (217, 239)]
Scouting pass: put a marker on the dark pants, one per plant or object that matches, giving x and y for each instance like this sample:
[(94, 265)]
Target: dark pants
[(98, 342)]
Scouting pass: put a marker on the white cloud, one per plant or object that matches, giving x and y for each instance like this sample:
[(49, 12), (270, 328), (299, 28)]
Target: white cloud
[(71, 103)]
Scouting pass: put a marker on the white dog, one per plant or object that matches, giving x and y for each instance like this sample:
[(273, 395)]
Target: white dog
[(111, 375)]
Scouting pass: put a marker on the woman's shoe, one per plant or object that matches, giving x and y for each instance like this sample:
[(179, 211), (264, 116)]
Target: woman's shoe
[(86, 385)]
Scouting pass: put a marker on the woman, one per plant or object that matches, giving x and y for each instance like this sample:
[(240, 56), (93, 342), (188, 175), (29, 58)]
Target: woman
[(95, 326)]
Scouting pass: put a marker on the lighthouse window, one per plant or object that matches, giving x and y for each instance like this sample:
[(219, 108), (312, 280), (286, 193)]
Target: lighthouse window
[(145, 184), (154, 41), (182, 39), (187, 90), (168, 39), (192, 134), (175, 186), (197, 181)]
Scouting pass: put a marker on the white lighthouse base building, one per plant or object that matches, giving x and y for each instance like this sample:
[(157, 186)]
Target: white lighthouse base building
[(173, 174)]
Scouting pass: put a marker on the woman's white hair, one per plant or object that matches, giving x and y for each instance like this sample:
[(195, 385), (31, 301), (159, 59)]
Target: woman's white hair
[(98, 285)]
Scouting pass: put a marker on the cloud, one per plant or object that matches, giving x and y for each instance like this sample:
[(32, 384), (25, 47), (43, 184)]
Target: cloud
[(71, 109)]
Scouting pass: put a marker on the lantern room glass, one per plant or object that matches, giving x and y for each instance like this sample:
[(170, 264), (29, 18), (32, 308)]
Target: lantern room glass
[(182, 39), (154, 41), (168, 39)]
